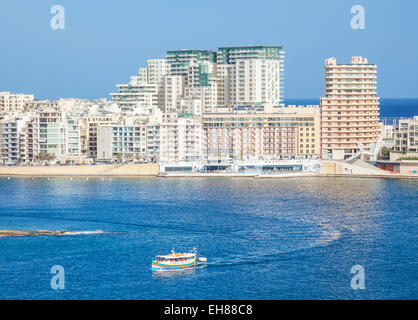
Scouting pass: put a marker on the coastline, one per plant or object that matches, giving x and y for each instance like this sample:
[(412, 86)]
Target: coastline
[(113, 170), (288, 176), (153, 170)]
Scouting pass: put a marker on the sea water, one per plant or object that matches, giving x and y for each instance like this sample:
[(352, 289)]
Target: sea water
[(294, 238)]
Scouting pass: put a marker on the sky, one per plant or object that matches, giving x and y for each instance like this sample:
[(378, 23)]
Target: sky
[(105, 42)]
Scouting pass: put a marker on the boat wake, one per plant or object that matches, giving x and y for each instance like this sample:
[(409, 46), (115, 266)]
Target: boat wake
[(329, 236), (76, 233)]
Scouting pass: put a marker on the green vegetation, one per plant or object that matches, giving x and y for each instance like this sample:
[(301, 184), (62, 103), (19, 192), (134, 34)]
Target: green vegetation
[(403, 152), (42, 156), (408, 158), (384, 153)]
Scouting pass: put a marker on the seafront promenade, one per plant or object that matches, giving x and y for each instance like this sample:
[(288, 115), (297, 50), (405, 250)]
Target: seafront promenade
[(359, 169), (122, 170)]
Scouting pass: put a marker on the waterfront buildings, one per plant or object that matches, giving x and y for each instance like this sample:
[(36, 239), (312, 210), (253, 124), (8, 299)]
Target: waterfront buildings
[(12, 103), (263, 133), (231, 76), (139, 97), (122, 142), (91, 124), (181, 139), (255, 74), (14, 147), (174, 90), (406, 135), (145, 91), (349, 109), (48, 130), (136, 139), (74, 142), (205, 106), (180, 60)]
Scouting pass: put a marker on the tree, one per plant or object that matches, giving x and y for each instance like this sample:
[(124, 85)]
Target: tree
[(384, 152), (50, 156), (42, 156), (119, 157)]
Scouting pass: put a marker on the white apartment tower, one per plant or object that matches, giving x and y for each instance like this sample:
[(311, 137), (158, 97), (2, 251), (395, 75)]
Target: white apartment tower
[(198, 69), (255, 74), (181, 140), (174, 91), (145, 92)]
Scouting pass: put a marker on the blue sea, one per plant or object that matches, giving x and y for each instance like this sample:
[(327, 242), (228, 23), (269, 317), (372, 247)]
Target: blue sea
[(295, 238), (389, 107)]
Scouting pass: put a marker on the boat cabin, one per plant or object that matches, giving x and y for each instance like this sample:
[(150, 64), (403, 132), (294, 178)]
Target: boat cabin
[(175, 257)]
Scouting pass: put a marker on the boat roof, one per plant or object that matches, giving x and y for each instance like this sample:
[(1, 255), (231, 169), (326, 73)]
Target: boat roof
[(177, 255)]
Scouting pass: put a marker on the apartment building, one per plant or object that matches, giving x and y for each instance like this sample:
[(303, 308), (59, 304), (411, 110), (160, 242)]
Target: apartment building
[(262, 133), (48, 133), (91, 124), (406, 135), (73, 130), (349, 109), (136, 139), (134, 97), (174, 91), (196, 69), (39, 105), (178, 61), (145, 91), (231, 76), (201, 83), (120, 141), (14, 146), (11, 103), (181, 139), (255, 75), (192, 105)]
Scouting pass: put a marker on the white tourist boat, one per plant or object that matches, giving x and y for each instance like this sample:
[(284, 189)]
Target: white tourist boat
[(177, 261)]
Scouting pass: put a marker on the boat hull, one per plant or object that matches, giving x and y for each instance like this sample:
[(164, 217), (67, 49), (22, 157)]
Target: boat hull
[(164, 266)]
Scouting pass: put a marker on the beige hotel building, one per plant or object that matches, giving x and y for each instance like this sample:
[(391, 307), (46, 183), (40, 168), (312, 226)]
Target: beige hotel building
[(264, 133), (350, 108)]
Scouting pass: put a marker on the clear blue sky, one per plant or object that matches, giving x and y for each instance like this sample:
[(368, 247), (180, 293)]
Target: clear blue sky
[(104, 42)]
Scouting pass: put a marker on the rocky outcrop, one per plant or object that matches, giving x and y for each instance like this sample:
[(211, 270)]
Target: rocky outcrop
[(25, 233)]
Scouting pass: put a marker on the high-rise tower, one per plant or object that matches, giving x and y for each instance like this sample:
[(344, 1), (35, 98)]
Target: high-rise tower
[(350, 108)]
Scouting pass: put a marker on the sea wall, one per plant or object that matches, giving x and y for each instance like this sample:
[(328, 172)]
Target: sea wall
[(408, 167), (358, 167), (150, 169), (394, 156)]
